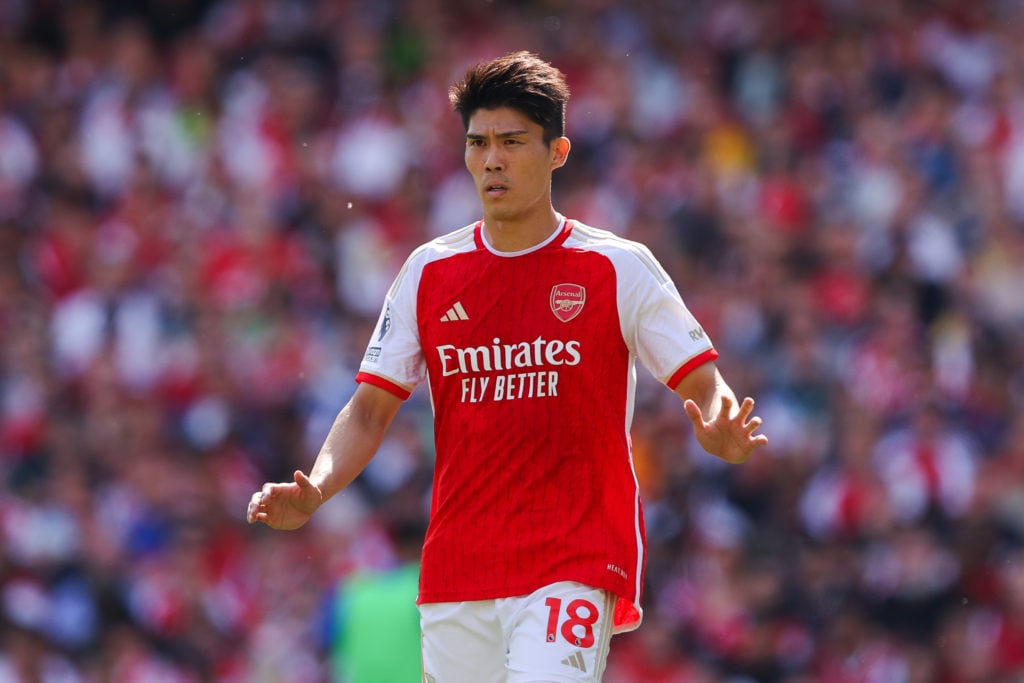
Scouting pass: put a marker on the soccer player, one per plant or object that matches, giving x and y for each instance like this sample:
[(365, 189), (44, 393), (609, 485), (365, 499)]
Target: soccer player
[(526, 327)]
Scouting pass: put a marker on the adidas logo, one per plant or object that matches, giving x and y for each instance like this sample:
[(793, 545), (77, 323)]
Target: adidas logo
[(456, 312), (575, 660)]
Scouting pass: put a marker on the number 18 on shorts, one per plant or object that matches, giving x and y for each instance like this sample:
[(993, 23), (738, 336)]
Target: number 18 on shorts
[(558, 633)]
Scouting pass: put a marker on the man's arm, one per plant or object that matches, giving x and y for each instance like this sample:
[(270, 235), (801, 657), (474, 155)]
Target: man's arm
[(723, 426), (350, 445)]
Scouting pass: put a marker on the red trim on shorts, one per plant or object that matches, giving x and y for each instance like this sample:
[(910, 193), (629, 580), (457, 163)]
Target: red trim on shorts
[(688, 367), (385, 384)]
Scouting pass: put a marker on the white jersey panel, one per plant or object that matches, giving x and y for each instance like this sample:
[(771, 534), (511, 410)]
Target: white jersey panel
[(657, 326), (395, 352)]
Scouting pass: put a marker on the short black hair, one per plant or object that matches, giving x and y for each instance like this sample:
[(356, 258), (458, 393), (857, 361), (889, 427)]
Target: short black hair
[(520, 80)]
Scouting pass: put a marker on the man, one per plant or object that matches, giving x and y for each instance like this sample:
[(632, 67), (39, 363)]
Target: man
[(525, 326)]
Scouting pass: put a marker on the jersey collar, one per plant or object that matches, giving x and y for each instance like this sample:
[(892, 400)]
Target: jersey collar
[(556, 239)]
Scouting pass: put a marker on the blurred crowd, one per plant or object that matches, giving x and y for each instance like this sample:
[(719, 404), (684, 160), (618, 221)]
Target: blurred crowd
[(203, 203)]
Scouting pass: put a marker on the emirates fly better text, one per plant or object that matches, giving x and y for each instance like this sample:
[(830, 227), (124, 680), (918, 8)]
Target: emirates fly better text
[(525, 368)]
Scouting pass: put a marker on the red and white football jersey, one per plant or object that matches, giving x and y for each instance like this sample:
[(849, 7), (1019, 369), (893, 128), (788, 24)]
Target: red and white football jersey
[(529, 358)]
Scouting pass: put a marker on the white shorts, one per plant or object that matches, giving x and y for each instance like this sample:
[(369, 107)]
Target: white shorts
[(558, 634)]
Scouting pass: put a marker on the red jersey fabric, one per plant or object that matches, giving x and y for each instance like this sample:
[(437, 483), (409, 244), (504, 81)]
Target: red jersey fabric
[(529, 359)]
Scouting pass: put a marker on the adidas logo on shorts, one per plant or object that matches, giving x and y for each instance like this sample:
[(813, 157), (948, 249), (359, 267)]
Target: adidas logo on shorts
[(575, 660)]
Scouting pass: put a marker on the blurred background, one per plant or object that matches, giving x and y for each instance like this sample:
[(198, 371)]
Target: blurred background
[(203, 203)]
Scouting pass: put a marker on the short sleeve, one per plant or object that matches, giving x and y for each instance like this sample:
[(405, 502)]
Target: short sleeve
[(656, 324), (394, 357)]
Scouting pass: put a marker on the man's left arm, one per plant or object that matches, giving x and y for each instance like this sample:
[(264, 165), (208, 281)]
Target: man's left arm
[(723, 425)]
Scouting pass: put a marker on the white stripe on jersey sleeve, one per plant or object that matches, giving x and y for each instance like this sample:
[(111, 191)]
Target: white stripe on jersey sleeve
[(657, 326), (455, 242), (394, 351)]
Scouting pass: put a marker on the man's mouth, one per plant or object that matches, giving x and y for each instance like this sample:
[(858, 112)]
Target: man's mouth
[(495, 189)]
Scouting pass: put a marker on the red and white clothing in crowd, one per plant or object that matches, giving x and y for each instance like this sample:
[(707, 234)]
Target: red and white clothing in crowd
[(923, 469), (530, 362)]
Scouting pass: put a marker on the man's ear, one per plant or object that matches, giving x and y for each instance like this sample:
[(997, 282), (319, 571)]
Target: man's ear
[(559, 151)]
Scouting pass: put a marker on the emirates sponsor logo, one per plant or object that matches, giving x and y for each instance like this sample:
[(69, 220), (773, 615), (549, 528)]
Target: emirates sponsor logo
[(501, 356), (567, 300), (505, 372)]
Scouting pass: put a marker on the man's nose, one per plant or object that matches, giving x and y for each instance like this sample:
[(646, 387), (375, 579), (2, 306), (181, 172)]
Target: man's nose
[(494, 160)]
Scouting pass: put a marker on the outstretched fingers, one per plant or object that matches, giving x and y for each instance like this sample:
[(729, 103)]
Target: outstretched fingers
[(751, 424), (693, 412), (746, 408), (727, 405)]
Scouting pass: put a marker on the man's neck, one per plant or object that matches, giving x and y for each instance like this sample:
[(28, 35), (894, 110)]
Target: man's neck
[(519, 235)]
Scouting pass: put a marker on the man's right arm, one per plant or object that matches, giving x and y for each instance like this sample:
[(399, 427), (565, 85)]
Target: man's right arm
[(350, 445), (354, 438)]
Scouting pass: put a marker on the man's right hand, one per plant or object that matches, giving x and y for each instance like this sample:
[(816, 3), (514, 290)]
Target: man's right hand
[(286, 505)]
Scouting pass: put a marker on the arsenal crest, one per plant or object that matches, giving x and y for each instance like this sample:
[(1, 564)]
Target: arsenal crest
[(567, 301)]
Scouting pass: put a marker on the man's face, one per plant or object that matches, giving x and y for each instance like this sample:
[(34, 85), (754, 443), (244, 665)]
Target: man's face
[(511, 164)]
